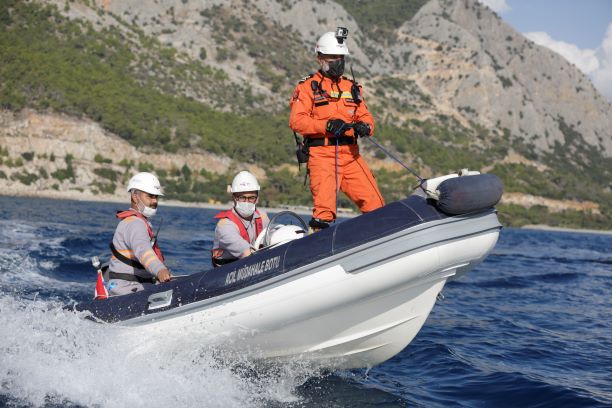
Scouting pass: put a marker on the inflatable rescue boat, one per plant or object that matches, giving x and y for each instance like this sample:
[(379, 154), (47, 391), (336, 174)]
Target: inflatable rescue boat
[(352, 295)]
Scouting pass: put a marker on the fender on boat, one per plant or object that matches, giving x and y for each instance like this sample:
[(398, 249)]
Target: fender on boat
[(465, 194)]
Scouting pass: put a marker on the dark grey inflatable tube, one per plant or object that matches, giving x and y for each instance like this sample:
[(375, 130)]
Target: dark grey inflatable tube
[(465, 194)]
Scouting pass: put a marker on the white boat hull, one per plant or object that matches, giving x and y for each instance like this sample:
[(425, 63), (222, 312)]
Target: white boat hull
[(349, 319)]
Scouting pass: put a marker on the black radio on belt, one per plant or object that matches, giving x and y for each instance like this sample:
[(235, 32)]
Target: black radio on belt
[(301, 149)]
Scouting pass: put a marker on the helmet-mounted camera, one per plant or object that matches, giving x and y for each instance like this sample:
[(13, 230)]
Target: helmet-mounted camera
[(341, 34)]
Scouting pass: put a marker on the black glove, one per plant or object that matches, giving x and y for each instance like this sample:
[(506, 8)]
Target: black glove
[(361, 129), (334, 125)]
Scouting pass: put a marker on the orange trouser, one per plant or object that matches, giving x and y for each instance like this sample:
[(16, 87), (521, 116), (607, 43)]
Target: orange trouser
[(354, 178)]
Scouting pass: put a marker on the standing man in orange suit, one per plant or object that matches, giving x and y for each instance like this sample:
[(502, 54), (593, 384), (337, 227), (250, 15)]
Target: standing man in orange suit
[(322, 105)]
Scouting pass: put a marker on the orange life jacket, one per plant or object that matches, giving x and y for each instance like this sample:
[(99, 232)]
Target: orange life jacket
[(236, 220), (216, 253), (133, 213)]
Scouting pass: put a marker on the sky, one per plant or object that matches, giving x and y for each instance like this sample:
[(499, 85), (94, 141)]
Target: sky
[(578, 30)]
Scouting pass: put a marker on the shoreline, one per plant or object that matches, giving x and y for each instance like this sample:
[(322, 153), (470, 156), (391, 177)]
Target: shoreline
[(542, 227), (77, 196), (104, 198)]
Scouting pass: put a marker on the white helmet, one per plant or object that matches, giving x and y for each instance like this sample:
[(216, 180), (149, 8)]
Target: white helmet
[(285, 233), (328, 44), (244, 181), (146, 182)]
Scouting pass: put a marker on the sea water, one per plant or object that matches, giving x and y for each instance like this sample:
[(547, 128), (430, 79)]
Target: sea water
[(530, 327)]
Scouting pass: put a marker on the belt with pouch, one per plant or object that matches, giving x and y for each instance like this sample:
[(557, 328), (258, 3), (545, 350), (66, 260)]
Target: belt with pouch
[(330, 141)]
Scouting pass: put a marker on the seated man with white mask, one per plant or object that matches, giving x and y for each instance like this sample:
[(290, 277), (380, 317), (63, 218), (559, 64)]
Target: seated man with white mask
[(137, 260), (239, 226)]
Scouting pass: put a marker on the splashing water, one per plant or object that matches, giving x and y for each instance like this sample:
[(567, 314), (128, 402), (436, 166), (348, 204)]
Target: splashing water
[(51, 355)]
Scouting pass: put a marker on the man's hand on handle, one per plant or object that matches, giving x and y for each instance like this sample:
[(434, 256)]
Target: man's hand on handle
[(361, 129), (336, 127), (164, 275)]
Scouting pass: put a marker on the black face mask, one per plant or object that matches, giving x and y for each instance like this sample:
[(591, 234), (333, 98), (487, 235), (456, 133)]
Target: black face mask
[(336, 69)]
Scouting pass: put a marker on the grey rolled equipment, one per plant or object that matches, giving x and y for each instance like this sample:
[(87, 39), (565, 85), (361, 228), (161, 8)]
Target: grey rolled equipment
[(465, 194)]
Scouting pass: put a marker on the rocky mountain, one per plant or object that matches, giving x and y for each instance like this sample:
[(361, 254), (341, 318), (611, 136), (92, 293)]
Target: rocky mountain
[(450, 83), (457, 54), (483, 70)]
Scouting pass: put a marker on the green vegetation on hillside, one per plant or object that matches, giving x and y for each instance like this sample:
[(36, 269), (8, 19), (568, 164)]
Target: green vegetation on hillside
[(442, 148), (517, 216), (51, 63)]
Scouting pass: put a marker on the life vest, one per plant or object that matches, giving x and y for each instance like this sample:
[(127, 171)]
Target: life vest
[(216, 253), (134, 263)]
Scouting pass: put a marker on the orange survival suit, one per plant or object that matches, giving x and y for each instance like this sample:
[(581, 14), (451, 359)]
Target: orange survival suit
[(315, 101)]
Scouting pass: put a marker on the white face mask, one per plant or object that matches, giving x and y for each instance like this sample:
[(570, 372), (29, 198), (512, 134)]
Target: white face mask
[(245, 209), (149, 212), (146, 211)]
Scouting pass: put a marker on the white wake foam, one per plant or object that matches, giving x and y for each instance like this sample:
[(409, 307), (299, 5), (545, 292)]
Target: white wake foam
[(51, 355)]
